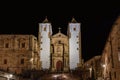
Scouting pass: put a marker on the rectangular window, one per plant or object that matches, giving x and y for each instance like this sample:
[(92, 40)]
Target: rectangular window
[(5, 61), (23, 45), (44, 28), (59, 42), (6, 45), (22, 61)]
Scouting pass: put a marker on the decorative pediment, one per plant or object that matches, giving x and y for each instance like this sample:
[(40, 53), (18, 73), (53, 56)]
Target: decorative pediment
[(59, 35)]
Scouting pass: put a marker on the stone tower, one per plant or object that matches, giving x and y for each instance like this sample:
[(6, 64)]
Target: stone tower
[(74, 33), (60, 52), (45, 32)]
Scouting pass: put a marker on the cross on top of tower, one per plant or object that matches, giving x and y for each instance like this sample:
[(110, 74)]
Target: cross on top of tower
[(59, 29)]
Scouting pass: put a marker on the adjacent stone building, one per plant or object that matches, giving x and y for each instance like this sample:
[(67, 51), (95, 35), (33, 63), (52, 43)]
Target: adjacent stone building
[(92, 68), (19, 53), (110, 59)]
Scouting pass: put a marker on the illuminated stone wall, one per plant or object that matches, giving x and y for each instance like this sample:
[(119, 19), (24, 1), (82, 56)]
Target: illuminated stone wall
[(92, 67), (18, 53), (111, 53)]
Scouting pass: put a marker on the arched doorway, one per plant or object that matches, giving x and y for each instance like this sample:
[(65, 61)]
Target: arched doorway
[(59, 66)]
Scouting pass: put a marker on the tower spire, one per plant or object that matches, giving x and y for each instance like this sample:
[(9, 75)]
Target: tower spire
[(73, 20), (46, 20)]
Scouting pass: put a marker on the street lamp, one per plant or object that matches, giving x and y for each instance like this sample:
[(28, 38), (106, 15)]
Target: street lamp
[(31, 60), (103, 65), (9, 76), (104, 68), (90, 69), (55, 76), (64, 76)]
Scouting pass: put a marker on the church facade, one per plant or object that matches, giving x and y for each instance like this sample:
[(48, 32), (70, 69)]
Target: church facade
[(60, 52)]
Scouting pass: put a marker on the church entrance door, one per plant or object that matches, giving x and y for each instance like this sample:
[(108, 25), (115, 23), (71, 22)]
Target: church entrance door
[(59, 66)]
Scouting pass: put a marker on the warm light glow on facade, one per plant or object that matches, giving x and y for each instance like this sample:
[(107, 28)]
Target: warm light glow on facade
[(103, 65)]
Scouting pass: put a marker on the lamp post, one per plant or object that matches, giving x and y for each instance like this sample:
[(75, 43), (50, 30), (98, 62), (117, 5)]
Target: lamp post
[(9, 76), (104, 67), (90, 70)]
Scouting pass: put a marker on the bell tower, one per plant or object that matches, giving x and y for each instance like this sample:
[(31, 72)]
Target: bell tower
[(74, 33), (44, 34)]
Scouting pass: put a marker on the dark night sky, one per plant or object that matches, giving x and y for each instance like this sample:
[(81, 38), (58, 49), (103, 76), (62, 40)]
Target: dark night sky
[(95, 24)]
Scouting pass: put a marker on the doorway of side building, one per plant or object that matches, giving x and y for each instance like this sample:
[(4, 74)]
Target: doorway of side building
[(59, 66)]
